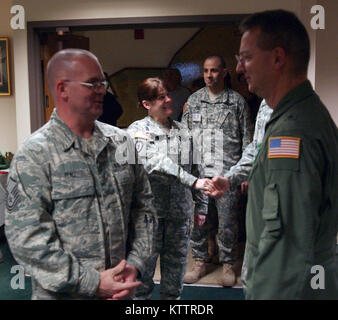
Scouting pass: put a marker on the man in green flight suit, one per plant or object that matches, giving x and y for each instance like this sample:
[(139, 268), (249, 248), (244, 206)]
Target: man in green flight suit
[(292, 207)]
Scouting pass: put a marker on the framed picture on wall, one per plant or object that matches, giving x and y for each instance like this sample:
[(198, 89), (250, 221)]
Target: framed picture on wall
[(5, 83)]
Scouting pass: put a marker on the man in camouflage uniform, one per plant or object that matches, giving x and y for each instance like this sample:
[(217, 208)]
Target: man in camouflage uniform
[(167, 156), (73, 212), (239, 173), (241, 170), (219, 120)]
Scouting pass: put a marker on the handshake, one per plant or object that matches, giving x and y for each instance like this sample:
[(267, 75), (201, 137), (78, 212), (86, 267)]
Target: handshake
[(215, 187)]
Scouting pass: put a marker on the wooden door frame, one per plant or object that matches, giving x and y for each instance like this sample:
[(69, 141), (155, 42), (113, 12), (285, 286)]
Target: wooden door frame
[(36, 95)]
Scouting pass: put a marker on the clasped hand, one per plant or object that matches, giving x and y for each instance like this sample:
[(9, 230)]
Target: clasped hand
[(119, 282)]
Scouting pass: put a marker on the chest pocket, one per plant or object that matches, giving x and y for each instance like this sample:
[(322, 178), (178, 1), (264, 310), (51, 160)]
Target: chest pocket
[(72, 184), (157, 144), (225, 120)]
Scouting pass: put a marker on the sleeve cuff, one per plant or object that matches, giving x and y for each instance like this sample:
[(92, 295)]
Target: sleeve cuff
[(188, 179), (89, 282), (201, 209), (137, 263)]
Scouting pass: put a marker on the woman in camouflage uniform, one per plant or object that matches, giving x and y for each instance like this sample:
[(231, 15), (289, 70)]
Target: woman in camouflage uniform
[(164, 147)]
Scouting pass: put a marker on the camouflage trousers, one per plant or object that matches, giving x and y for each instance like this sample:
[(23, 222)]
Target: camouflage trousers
[(222, 219), (171, 244)]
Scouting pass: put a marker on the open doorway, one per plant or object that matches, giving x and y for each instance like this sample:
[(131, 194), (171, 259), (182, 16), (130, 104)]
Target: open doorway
[(165, 41)]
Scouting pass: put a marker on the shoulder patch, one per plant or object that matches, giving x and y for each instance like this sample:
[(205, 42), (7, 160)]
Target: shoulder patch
[(141, 135), (284, 147), (185, 107), (139, 145)]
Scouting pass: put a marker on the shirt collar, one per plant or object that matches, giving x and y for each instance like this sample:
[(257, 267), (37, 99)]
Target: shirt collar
[(222, 98), (158, 125), (294, 96), (68, 138)]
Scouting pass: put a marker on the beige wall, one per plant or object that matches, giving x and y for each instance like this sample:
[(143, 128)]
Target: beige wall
[(321, 72), (327, 58), (8, 135), (79, 9)]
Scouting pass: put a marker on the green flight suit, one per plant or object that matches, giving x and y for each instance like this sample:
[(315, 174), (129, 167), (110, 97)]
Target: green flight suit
[(292, 206)]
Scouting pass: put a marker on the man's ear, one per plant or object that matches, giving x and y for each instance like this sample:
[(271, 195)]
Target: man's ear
[(279, 57), (146, 104), (225, 71), (61, 89)]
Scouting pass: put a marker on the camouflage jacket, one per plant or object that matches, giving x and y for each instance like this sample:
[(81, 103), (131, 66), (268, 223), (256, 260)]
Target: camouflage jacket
[(241, 170), (168, 159), (74, 212), (220, 128)]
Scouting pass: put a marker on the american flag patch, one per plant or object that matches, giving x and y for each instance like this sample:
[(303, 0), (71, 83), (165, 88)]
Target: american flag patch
[(284, 147)]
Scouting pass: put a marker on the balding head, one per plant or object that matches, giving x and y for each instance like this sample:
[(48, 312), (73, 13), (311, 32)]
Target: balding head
[(62, 66), (219, 58)]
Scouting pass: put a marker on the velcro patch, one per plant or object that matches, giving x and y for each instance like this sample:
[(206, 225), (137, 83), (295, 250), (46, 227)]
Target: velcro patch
[(141, 135), (284, 147), (196, 117), (185, 107)]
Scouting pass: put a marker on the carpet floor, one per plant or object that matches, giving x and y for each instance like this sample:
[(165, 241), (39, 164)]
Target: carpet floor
[(201, 291)]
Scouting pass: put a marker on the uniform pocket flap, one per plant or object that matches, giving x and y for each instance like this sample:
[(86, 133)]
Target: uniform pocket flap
[(222, 118), (269, 214), (270, 209), (72, 188), (272, 225), (284, 164)]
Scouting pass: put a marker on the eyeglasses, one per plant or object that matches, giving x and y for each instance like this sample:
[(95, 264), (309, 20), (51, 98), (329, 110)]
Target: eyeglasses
[(239, 59), (95, 86), (242, 59)]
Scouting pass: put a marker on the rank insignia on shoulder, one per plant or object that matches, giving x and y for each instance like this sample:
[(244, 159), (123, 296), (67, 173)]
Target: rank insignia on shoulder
[(141, 135), (284, 147), (12, 194)]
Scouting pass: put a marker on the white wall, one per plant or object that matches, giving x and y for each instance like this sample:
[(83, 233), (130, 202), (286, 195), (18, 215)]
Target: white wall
[(8, 130)]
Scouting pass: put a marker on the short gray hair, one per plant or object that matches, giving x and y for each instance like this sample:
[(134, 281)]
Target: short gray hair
[(61, 63)]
